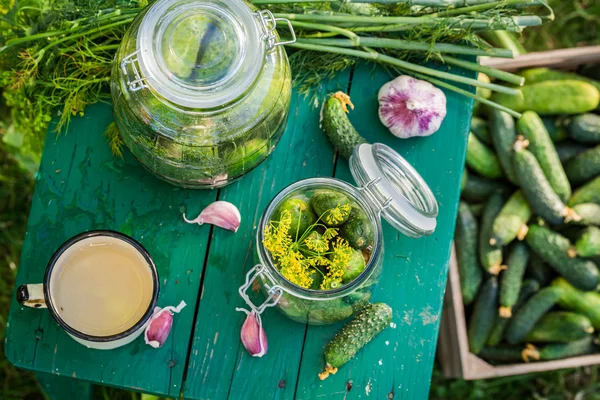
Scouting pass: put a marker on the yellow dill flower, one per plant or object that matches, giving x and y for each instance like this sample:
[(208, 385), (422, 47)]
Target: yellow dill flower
[(277, 239), (341, 255), (316, 242), (295, 270), (337, 214), (330, 233)]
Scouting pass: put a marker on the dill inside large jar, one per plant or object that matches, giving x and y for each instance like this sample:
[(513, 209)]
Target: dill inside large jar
[(201, 90)]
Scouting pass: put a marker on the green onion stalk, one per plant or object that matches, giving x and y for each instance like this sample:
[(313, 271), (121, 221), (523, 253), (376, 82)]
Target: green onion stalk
[(59, 54)]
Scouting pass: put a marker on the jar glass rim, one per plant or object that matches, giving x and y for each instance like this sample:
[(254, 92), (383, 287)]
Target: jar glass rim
[(309, 294)]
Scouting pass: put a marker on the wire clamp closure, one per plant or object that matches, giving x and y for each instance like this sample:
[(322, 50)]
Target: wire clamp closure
[(274, 293), (268, 23), (138, 83)]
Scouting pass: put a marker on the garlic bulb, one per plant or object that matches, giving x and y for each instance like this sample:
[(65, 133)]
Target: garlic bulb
[(411, 107)]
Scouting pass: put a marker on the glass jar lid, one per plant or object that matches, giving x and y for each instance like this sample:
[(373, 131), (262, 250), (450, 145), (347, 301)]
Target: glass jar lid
[(200, 54), (394, 187)]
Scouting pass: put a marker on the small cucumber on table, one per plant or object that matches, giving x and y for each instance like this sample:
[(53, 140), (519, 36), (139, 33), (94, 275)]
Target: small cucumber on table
[(503, 134), (479, 189), (589, 214), (530, 125), (569, 149), (337, 126), (559, 350), (552, 98), (482, 160), (512, 278), (505, 353), (490, 255), (555, 129), (369, 322), (530, 313), (585, 303), (560, 327), (465, 240), (511, 221), (583, 166), (588, 244), (528, 289), (482, 318), (539, 270), (585, 128), (480, 129), (588, 193), (556, 250), (536, 187)]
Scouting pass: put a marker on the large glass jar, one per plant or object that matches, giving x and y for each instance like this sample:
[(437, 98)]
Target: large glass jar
[(201, 90), (388, 186)]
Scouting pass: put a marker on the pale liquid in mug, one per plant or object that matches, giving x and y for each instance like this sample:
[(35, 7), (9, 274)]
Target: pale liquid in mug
[(101, 286)]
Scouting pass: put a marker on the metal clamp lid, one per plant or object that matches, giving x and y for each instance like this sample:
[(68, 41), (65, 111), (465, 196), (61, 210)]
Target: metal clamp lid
[(268, 24), (274, 293)]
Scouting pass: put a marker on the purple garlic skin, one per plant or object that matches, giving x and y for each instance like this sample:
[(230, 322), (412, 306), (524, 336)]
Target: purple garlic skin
[(411, 107), (220, 213), (159, 327), (253, 336)]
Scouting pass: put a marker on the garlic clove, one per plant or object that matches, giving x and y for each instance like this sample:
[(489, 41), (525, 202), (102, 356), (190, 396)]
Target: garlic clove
[(158, 328), (411, 107), (253, 335), (220, 213)]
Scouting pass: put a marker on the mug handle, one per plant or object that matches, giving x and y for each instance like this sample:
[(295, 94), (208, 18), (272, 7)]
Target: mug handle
[(32, 295)]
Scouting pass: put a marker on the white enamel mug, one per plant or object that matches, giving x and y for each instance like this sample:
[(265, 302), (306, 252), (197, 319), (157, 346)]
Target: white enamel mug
[(101, 287)]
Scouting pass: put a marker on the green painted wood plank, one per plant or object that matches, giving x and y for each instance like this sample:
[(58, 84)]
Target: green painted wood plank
[(398, 363), (219, 366), (81, 186), (61, 388)]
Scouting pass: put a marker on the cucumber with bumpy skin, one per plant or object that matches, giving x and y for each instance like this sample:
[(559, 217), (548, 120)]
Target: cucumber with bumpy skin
[(369, 322), (560, 327), (555, 129), (556, 250), (588, 193), (325, 202), (465, 240), (511, 221), (490, 255), (480, 189), (559, 350), (569, 149), (530, 313), (530, 125), (503, 134), (585, 303), (540, 74), (536, 187), (512, 278), (482, 160), (588, 244), (482, 319), (589, 213), (358, 229), (504, 353), (585, 128), (480, 129), (337, 126), (583, 166), (539, 270)]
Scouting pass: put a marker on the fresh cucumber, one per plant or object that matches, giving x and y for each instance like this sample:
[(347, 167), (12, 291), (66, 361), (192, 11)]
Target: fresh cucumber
[(369, 322), (588, 193), (482, 160), (302, 215), (480, 129), (528, 289), (584, 166), (530, 125), (465, 240), (588, 244), (325, 202), (585, 128), (556, 250), (503, 354), (569, 149), (555, 129), (511, 221), (539, 270), (480, 189), (560, 327), (552, 98), (530, 313), (482, 318), (536, 187), (358, 229), (512, 278), (337, 126), (559, 350), (490, 255), (589, 214), (503, 134), (534, 75), (585, 303)]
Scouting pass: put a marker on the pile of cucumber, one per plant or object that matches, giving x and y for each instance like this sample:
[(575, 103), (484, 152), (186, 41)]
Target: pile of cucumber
[(528, 230)]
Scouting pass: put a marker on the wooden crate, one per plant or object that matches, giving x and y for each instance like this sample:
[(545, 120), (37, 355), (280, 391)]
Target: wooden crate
[(453, 348)]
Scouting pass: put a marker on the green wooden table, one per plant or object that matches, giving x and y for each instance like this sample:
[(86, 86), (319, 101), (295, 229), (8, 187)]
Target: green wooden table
[(81, 186)]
